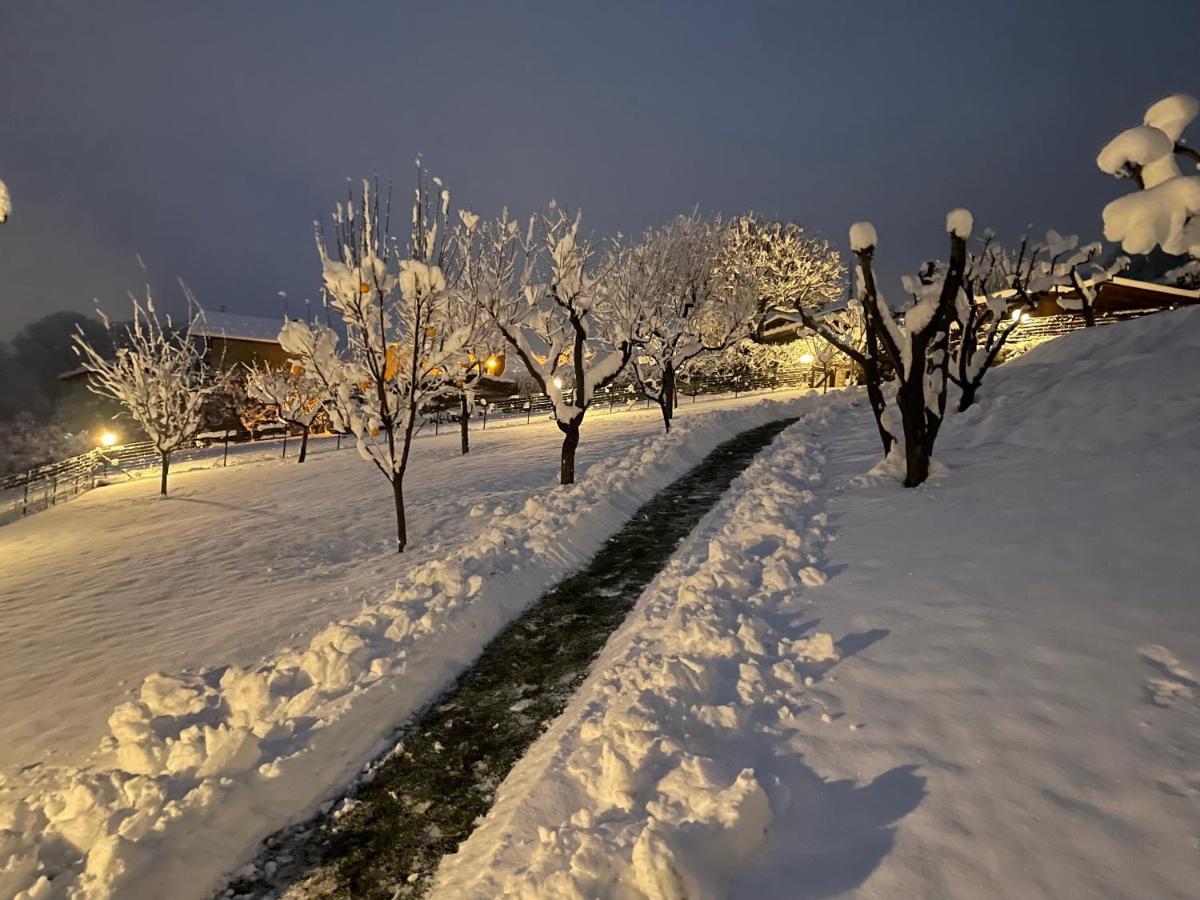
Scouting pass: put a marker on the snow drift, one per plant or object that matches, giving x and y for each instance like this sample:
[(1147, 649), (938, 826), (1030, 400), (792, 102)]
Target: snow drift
[(1025, 715), (198, 767)]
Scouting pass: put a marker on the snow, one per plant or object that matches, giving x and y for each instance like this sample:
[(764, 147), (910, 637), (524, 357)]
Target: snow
[(959, 223), (1138, 146), (1173, 114), (5, 203), (237, 327), (975, 698), (181, 677), (1167, 211), (862, 236), (1167, 215)]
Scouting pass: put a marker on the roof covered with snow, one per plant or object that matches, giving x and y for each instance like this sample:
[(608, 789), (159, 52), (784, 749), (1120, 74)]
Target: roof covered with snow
[(236, 327)]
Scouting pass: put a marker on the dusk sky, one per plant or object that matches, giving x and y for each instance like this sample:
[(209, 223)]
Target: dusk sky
[(208, 136)]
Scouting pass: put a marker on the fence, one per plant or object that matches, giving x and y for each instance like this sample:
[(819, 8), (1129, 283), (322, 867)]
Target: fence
[(47, 485), (1045, 327)]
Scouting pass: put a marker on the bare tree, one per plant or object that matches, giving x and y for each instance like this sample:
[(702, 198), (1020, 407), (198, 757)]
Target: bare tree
[(295, 396), (485, 356), (916, 348), (402, 345), (549, 292), (1000, 287), (157, 374), (690, 307), (794, 272)]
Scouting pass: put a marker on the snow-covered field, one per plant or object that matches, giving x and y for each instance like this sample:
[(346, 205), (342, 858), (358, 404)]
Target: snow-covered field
[(233, 579), (985, 687)]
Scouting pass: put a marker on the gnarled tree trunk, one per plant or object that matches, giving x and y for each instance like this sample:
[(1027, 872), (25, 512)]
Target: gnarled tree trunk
[(570, 430)]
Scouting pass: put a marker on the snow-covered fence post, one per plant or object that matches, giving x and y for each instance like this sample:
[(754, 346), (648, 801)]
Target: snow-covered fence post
[(1165, 212), (547, 291), (158, 375), (917, 349)]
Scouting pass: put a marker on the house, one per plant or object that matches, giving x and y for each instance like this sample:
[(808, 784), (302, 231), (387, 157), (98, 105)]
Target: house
[(233, 340), (1120, 298)]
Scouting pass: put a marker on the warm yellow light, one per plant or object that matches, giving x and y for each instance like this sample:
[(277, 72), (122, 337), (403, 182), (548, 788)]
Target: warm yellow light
[(558, 382), (491, 363), (1016, 315), (108, 439), (806, 359), (1024, 317)]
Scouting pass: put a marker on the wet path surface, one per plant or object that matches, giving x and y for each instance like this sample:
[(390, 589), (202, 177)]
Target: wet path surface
[(423, 799)]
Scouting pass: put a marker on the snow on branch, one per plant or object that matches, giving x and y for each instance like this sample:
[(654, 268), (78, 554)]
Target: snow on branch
[(404, 348), (558, 301), (689, 307), (157, 374), (1166, 211)]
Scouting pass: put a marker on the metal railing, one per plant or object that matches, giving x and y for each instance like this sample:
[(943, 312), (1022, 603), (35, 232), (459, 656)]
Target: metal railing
[(43, 486)]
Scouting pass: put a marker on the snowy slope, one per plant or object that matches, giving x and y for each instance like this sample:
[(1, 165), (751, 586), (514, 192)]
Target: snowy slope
[(196, 768), (1006, 704)]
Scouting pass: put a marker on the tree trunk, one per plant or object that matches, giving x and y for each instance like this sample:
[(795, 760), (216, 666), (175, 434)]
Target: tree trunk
[(911, 400), (1089, 315), (667, 395), (879, 407), (570, 432), (968, 395), (166, 465), (304, 444), (401, 525), (464, 418)]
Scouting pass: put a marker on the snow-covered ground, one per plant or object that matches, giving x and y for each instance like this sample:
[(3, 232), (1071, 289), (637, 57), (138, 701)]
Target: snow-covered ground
[(232, 579), (986, 687)]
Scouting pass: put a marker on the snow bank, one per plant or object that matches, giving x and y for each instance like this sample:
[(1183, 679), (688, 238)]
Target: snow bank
[(198, 768), (1097, 390), (646, 786)]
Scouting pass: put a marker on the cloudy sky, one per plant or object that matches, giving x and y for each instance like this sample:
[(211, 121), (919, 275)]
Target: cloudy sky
[(207, 136)]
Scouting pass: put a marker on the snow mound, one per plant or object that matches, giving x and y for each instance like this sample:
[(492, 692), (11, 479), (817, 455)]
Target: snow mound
[(198, 768), (1139, 377), (646, 786)]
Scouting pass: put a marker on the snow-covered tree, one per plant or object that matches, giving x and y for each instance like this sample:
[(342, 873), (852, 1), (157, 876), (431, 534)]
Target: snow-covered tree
[(690, 308), (786, 267), (485, 357), (999, 286), (295, 396), (916, 345), (793, 271), (402, 344), (157, 374), (550, 293), (1165, 212)]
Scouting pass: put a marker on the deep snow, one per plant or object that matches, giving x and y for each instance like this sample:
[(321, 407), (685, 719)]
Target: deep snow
[(246, 733), (1003, 699)]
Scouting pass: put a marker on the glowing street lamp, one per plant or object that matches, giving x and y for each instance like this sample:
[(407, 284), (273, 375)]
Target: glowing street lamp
[(490, 363), (558, 382), (806, 359), (108, 439)]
